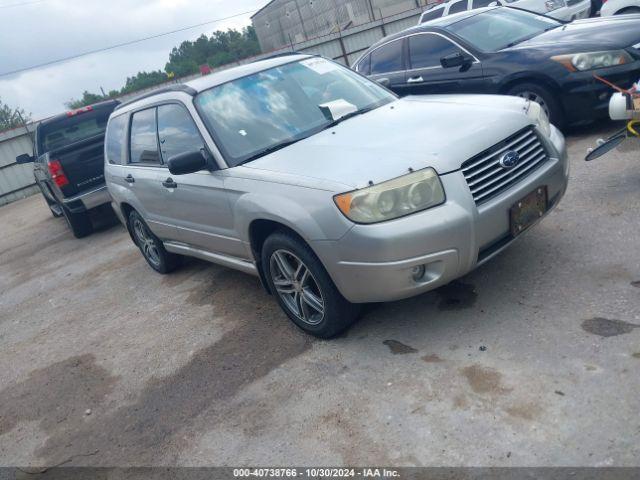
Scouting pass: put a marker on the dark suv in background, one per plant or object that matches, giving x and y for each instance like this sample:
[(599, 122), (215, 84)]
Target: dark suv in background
[(69, 164)]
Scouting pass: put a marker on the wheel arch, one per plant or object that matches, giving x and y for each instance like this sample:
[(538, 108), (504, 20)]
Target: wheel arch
[(529, 77), (126, 210), (259, 230)]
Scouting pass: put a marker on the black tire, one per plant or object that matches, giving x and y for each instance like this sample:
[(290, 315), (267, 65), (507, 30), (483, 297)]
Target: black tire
[(628, 10), (540, 94), (314, 283), (54, 207), (151, 246), (79, 223)]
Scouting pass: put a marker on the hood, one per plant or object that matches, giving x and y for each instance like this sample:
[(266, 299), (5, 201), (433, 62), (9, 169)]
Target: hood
[(592, 34), (439, 131)]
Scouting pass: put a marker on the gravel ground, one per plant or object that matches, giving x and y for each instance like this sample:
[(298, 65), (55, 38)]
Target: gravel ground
[(533, 359)]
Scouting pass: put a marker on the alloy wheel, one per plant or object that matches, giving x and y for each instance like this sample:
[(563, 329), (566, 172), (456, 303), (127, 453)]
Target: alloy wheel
[(147, 242), (296, 287), (534, 97)]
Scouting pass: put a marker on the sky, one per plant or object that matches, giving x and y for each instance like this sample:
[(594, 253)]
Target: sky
[(41, 31)]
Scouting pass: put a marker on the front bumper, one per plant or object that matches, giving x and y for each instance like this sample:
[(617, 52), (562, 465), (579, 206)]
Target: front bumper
[(373, 263), (87, 200), (586, 99)]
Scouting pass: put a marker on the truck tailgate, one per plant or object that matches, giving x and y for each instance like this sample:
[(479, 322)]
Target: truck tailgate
[(83, 164)]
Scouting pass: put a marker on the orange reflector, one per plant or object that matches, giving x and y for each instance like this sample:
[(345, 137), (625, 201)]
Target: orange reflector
[(343, 202)]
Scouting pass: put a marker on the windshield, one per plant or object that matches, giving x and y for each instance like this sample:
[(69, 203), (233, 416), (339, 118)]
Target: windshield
[(68, 130), (252, 115), (496, 29)]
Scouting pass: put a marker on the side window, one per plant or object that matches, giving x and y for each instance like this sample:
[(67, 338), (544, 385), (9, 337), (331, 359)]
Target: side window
[(364, 66), (459, 6), (144, 139), (115, 141), (426, 50), (481, 3), (177, 132), (432, 14), (387, 58)]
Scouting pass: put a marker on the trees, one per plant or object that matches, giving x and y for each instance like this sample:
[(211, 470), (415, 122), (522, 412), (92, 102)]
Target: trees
[(221, 48), (12, 118)]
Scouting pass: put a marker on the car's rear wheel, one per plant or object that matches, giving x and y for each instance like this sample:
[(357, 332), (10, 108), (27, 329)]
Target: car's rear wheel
[(543, 97), (55, 207), (303, 287), (79, 223), (151, 246)]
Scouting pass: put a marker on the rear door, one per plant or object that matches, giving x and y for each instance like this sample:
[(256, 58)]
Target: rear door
[(144, 174), (197, 204), (425, 74), (387, 65)]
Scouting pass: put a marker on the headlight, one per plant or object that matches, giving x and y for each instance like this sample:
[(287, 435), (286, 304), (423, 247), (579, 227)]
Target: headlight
[(591, 60), (554, 4), (392, 199), (537, 114)]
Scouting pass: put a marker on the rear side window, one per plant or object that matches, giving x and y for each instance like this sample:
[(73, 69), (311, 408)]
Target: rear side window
[(432, 14), (427, 50), (177, 132), (115, 140), (144, 139), (364, 67), (459, 6), (387, 58), (481, 3)]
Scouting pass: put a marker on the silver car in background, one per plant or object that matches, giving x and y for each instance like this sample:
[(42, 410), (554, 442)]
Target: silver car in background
[(326, 185)]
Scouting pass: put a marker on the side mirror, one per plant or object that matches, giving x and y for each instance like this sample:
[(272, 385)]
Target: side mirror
[(188, 162), (25, 158), (605, 147), (385, 82), (457, 59)]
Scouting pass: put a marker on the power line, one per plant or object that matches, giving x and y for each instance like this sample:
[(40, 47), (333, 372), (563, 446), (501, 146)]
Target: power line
[(20, 4), (118, 45)]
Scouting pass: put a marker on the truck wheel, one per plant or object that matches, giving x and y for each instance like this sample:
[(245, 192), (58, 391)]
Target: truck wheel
[(151, 246), (56, 209), (542, 96), (303, 287), (79, 223)]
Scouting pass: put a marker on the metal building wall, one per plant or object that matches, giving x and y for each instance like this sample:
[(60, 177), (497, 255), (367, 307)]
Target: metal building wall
[(16, 181), (283, 23)]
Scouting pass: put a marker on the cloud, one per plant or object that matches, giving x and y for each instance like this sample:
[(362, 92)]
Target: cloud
[(53, 29)]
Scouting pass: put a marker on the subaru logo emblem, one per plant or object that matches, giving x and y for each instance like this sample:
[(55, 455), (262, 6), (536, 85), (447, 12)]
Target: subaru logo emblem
[(509, 160)]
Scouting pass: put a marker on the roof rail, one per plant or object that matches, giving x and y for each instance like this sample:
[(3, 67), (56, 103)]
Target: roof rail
[(179, 87)]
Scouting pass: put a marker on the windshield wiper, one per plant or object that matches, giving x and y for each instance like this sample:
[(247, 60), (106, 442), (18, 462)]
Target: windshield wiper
[(271, 149), (349, 115)]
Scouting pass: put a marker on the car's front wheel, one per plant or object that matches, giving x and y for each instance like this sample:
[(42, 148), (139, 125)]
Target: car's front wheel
[(303, 287), (543, 97), (151, 246)]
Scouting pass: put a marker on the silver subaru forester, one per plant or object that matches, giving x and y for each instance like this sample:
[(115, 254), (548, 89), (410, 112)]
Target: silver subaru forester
[(326, 185)]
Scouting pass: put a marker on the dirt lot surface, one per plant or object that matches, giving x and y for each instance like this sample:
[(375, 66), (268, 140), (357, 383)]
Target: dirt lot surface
[(533, 359)]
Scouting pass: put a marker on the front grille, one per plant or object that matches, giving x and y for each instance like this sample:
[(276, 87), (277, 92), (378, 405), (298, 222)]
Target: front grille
[(486, 178)]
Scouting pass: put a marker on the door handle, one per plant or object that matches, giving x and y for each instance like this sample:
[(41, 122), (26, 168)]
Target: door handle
[(169, 183), (129, 179), (415, 79)]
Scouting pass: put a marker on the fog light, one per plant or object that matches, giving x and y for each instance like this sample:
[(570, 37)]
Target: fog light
[(417, 273)]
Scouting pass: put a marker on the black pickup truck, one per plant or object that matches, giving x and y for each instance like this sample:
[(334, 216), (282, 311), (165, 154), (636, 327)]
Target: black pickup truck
[(69, 163)]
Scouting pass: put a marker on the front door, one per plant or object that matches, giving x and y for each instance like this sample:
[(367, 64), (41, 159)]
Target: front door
[(426, 75), (196, 203)]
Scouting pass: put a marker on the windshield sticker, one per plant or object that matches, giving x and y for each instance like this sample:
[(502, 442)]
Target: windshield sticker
[(319, 65)]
